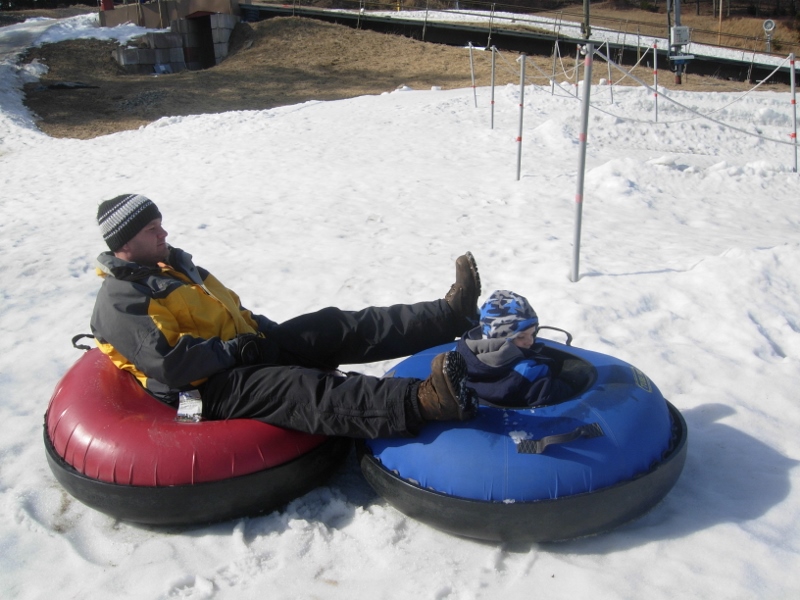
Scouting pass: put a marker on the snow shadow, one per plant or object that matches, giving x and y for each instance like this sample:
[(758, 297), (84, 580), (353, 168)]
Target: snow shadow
[(729, 477)]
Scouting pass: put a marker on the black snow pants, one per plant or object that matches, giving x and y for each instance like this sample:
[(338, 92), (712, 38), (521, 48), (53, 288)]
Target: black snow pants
[(305, 392)]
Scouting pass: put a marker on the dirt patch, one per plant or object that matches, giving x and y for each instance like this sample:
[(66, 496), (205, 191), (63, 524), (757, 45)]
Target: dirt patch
[(273, 63), (280, 61)]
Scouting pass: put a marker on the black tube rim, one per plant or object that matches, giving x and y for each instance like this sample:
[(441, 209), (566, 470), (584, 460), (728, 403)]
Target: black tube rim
[(560, 519), (203, 503)]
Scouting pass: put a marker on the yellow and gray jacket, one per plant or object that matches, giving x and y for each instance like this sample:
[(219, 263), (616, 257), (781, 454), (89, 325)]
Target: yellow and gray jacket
[(170, 326)]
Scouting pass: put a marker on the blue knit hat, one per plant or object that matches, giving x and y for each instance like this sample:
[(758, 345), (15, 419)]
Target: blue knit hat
[(506, 314)]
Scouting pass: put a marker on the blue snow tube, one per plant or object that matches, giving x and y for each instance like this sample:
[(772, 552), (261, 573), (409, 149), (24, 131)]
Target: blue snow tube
[(555, 472)]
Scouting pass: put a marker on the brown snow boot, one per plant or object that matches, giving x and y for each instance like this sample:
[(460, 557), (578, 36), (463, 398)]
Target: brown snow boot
[(444, 396), (464, 293)]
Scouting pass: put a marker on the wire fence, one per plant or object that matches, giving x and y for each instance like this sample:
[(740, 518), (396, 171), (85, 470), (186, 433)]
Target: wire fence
[(572, 74)]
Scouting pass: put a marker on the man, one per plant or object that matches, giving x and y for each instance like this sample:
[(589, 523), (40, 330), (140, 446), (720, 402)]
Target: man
[(176, 328)]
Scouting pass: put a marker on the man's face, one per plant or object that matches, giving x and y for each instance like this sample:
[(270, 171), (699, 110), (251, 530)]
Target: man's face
[(148, 247)]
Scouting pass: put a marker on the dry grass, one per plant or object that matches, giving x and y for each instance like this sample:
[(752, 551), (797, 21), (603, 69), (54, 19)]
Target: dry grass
[(737, 31), (746, 33), (277, 62)]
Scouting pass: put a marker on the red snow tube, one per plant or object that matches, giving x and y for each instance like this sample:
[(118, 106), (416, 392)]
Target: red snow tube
[(119, 450)]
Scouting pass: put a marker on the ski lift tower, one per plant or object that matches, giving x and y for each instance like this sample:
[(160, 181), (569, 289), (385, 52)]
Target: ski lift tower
[(678, 38)]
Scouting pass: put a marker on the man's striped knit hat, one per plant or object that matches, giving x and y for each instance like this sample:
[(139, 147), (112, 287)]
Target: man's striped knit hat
[(121, 218)]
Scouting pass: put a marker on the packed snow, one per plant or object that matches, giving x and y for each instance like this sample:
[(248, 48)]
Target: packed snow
[(689, 269)]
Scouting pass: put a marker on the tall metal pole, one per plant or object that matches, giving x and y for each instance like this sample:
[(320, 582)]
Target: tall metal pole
[(472, 71), (522, 60), (679, 66), (576, 247), (608, 69), (425, 22), (794, 106), (586, 26), (491, 21), (494, 54), (655, 79)]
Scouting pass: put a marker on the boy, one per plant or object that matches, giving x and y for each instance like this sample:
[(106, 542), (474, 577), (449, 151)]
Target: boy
[(504, 365)]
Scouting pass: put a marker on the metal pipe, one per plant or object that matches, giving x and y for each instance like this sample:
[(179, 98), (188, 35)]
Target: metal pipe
[(576, 247), (472, 71), (792, 78), (522, 60), (494, 54)]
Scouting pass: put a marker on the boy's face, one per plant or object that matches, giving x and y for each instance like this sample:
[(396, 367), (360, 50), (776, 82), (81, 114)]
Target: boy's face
[(526, 338)]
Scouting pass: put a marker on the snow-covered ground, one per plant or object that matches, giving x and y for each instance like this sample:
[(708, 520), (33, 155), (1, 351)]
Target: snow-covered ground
[(690, 270)]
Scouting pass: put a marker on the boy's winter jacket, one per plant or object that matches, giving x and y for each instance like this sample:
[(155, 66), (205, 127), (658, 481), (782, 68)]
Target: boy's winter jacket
[(504, 374)]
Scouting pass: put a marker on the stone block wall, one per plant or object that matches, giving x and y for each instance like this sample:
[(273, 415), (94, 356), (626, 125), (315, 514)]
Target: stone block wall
[(221, 29), (155, 52), (195, 43)]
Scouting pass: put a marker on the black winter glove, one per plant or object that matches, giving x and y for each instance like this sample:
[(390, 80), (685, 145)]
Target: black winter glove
[(252, 349)]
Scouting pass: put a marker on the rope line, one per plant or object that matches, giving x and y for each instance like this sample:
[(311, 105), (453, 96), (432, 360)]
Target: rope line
[(699, 114), (528, 79), (628, 74)]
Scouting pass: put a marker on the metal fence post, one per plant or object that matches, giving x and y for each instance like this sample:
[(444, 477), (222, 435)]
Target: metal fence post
[(576, 248)]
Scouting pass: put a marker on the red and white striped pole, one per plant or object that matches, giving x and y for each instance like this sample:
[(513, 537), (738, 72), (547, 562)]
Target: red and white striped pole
[(587, 78)]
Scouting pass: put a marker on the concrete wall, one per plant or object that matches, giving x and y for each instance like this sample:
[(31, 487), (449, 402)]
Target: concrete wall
[(193, 43), (154, 53), (222, 26), (160, 13)]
